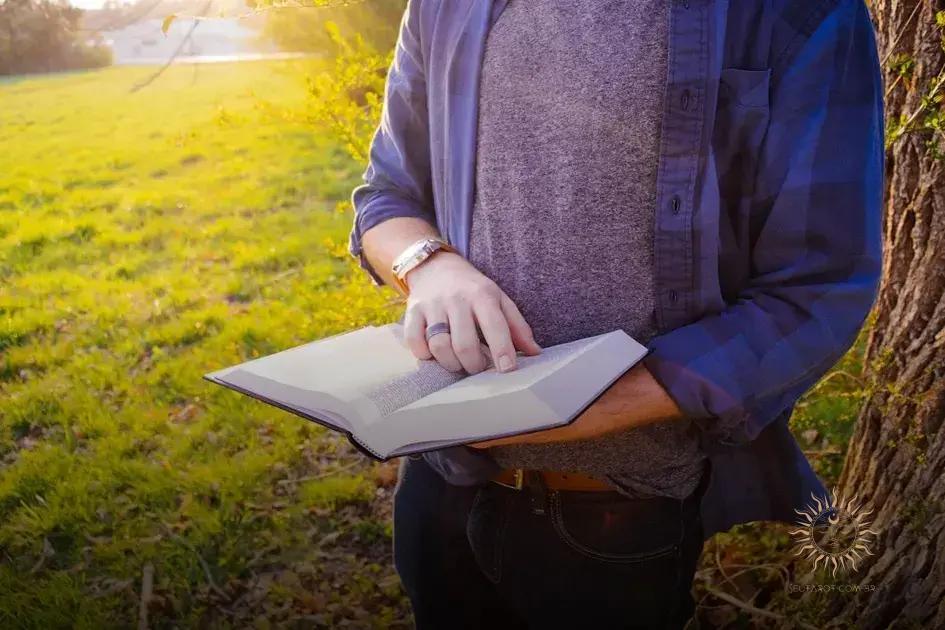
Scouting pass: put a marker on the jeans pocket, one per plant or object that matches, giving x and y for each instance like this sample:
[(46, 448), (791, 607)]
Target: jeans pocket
[(485, 529), (621, 531)]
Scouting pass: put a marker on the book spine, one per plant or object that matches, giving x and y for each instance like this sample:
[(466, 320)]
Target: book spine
[(364, 448)]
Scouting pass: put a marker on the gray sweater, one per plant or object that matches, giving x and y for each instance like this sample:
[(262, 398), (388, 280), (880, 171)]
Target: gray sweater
[(569, 122)]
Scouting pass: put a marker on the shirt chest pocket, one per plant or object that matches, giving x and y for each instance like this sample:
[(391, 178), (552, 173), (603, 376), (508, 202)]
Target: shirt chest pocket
[(741, 120)]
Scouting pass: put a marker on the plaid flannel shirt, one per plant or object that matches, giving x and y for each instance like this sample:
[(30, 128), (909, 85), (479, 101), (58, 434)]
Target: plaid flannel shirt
[(767, 236)]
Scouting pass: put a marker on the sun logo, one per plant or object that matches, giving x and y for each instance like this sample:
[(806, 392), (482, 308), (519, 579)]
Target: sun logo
[(836, 533)]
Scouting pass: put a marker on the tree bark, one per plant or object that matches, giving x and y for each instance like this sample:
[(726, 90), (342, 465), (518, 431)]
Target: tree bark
[(896, 459)]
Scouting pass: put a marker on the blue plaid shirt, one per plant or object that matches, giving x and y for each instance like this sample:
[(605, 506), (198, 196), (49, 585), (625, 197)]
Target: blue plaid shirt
[(767, 240)]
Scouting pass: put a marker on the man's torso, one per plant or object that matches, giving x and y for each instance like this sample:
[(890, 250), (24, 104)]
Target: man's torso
[(699, 263), (568, 148)]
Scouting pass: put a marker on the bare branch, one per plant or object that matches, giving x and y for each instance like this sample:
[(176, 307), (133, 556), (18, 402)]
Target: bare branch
[(174, 55), (327, 473), (734, 601)]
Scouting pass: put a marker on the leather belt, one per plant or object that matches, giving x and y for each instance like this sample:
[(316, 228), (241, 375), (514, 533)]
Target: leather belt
[(554, 480)]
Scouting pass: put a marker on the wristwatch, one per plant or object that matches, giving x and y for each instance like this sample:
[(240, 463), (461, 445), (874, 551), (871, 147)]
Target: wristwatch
[(413, 256)]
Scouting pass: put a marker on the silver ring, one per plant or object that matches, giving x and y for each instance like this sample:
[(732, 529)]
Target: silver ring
[(436, 329)]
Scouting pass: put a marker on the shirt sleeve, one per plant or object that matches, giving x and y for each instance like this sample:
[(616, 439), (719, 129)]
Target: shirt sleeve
[(816, 258), (397, 180)]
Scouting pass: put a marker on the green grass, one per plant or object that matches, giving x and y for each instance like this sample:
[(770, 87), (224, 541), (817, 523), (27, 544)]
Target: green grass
[(145, 239)]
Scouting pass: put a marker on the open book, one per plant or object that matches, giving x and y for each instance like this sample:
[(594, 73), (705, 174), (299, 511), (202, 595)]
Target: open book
[(368, 385)]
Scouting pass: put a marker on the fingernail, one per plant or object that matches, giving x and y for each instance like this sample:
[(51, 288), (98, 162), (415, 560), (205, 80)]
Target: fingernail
[(505, 363)]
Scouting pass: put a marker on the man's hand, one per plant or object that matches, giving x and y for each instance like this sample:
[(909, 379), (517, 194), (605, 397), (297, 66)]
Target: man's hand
[(447, 288)]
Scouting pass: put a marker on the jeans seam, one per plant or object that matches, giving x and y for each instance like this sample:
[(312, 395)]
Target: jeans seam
[(493, 571), (500, 541), (679, 561)]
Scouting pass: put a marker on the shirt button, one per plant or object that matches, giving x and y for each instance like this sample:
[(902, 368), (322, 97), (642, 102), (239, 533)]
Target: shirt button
[(672, 296), (684, 100), (674, 204)]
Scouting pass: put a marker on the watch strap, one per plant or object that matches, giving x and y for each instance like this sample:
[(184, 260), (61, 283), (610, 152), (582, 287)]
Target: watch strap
[(413, 256)]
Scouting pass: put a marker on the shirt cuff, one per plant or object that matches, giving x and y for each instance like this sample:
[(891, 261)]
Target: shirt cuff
[(365, 221), (693, 393)]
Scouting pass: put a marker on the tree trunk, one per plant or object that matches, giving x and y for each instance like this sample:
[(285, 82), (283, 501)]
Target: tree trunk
[(896, 459)]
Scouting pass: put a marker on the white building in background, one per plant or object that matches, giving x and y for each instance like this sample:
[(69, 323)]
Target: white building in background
[(214, 39)]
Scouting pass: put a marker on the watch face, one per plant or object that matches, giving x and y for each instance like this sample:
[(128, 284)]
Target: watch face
[(416, 255)]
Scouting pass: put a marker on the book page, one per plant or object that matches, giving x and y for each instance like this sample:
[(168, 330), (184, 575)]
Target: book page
[(528, 371), (366, 374), (345, 367), (429, 377), (544, 391)]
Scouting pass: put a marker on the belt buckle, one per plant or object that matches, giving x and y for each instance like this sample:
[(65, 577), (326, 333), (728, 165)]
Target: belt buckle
[(519, 480)]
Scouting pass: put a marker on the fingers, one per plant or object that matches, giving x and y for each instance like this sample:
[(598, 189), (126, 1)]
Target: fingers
[(465, 338), (495, 329), (468, 304), (415, 326), (519, 330), (441, 345)]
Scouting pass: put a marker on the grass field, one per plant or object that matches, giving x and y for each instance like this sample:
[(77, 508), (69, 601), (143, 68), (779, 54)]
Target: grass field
[(147, 238)]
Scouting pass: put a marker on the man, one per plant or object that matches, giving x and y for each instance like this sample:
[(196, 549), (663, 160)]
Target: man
[(707, 178)]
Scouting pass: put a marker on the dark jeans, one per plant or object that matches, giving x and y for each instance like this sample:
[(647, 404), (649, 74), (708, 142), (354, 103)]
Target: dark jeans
[(483, 557)]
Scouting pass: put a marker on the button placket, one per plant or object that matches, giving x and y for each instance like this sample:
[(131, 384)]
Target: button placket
[(688, 67)]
